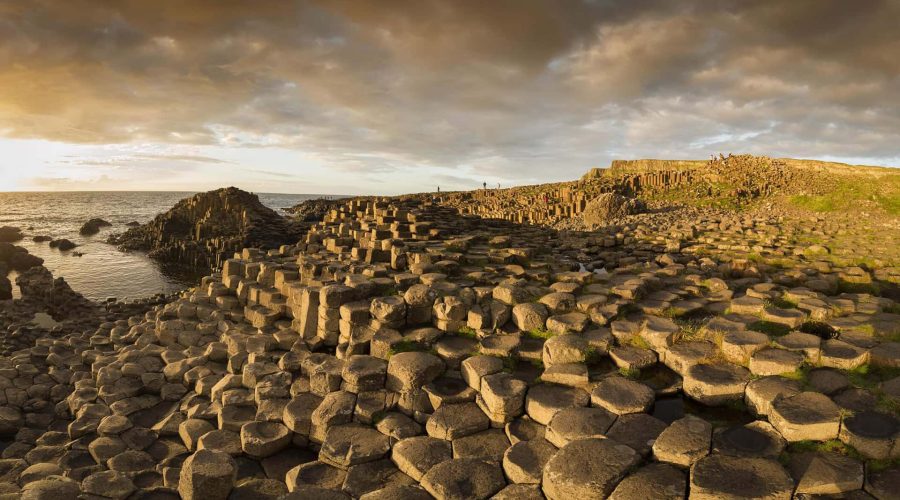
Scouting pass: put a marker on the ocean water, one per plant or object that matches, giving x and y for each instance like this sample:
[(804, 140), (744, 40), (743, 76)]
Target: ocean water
[(104, 271)]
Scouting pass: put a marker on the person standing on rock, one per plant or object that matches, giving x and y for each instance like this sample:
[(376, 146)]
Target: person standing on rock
[(484, 184)]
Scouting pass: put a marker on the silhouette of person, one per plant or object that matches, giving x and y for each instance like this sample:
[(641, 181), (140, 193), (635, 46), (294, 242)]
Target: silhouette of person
[(439, 189), (484, 184)]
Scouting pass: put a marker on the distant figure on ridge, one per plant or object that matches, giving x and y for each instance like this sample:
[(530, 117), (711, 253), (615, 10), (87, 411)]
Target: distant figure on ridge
[(439, 189), (484, 184)]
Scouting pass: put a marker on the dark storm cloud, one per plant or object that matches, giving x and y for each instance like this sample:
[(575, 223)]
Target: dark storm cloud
[(543, 89)]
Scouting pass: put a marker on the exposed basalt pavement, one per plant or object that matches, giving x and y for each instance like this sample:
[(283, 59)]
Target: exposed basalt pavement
[(402, 350)]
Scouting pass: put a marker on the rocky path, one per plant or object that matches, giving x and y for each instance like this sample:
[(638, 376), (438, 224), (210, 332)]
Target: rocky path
[(402, 350)]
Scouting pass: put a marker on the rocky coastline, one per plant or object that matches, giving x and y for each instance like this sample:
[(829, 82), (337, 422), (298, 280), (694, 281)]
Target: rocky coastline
[(620, 336), (202, 230)]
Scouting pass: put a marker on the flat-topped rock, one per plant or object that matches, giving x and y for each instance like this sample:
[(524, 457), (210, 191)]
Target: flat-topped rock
[(463, 478), (716, 383), (452, 421), (524, 461), (417, 455), (620, 395), (871, 433), (684, 441), (571, 424), (806, 416), (826, 473), (543, 401), (756, 439), (657, 481), (587, 468), (717, 477)]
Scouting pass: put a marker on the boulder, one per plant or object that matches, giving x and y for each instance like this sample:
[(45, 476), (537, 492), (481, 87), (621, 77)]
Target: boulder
[(609, 206), (92, 227)]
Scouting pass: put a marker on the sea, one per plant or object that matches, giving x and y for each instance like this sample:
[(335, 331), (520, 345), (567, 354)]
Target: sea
[(103, 271)]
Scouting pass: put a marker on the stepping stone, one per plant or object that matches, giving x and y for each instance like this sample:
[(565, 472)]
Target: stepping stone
[(771, 361), (263, 489), (502, 397), (564, 349), (839, 354), (855, 399), (353, 444), (684, 441), (364, 373), (826, 473), (791, 318), (543, 401), (500, 345), (738, 346), (530, 316), (659, 332), (886, 355), (263, 439), (524, 461), (747, 305), (718, 477), (806, 416), (417, 455), (808, 344), (447, 390), (681, 356), (871, 433), (304, 491), (756, 439), (219, 440), (398, 426), (476, 367), (587, 468), (632, 358), (524, 429), (573, 322), (571, 424), (760, 393), (453, 350), (559, 302), (396, 491), (637, 430), (297, 414), (653, 481), (412, 370), (884, 485), (463, 478), (716, 383), (621, 395), (487, 445), (205, 474), (453, 421), (827, 380), (113, 484), (519, 492), (570, 374)]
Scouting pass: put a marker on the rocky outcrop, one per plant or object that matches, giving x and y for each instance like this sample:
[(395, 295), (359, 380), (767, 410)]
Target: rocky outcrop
[(609, 206), (10, 234), (18, 258), (313, 210), (63, 244), (93, 226), (199, 231)]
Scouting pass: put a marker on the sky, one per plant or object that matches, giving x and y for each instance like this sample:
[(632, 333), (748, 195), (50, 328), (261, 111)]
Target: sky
[(394, 96)]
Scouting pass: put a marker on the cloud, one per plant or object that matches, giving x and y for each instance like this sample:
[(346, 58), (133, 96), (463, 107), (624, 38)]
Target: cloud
[(525, 90)]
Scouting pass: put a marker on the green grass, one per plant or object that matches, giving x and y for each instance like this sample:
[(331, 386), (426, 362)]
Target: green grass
[(632, 373), (849, 192), (781, 303), (465, 331), (831, 446), (892, 309), (405, 346), (539, 333), (769, 328), (637, 341)]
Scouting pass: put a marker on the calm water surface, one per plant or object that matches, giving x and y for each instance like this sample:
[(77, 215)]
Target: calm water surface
[(104, 271)]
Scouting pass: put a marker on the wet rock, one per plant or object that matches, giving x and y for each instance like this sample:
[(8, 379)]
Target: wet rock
[(92, 227)]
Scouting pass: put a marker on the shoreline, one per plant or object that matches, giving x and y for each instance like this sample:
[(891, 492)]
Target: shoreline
[(410, 346)]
